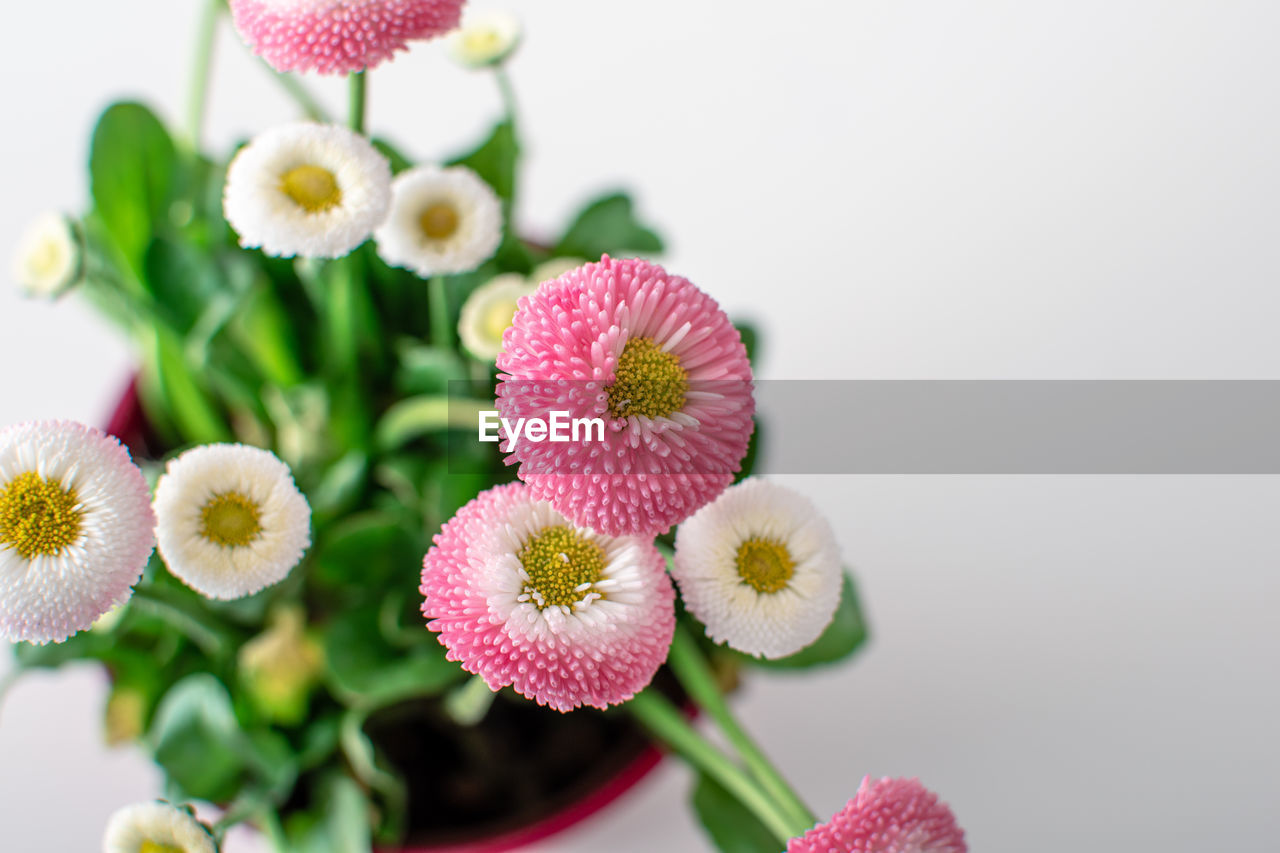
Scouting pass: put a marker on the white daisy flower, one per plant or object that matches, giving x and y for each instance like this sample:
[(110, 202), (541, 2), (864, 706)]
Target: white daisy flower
[(75, 529), (315, 190), (484, 39), (229, 520), (760, 568), (47, 260), (488, 312), (157, 828), (442, 221)]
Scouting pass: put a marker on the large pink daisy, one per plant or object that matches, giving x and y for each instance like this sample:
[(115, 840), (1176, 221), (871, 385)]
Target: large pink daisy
[(889, 816), (656, 360), (522, 597), (338, 36)]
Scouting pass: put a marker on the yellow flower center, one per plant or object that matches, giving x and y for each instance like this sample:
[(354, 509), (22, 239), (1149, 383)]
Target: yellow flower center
[(39, 516), (47, 259), (150, 846), (562, 566), (765, 565), (481, 41), (647, 381), (439, 221), (497, 317), (231, 520), (313, 188)]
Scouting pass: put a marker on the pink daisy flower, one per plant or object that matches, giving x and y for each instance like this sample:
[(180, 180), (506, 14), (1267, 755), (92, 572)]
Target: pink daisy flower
[(567, 616), (338, 36), (658, 362), (889, 816)]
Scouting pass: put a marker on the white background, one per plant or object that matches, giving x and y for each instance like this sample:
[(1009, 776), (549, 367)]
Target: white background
[(1074, 189)]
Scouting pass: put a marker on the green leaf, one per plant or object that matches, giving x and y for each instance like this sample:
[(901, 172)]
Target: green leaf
[(495, 160), (338, 822), (399, 162), (131, 169), (846, 633), (341, 485), (199, 742), (418, 416), (608, 226), (196, 739), (183, 280), (365, 553), (750, 339), (732, 827), (263, 329), (753, 453), (181, 393), (370, 673), (427, 370)]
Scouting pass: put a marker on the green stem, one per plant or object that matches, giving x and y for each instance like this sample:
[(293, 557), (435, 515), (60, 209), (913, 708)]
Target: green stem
[(507, 91), (249, 804), (201, 63), (300, 94), (666, 723), (691, 668), (358, 92), (342, 314), (194, 623), (441, 320)]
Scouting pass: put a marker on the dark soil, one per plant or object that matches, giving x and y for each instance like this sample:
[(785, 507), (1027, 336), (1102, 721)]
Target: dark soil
[(521, 764)]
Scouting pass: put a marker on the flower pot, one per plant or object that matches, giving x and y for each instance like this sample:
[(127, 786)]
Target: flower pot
[(523, 774)]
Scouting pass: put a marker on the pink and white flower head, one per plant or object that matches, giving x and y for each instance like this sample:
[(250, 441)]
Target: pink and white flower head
[(76, 529), (567, 616), (888, 816), (656, 360), (339, 36)]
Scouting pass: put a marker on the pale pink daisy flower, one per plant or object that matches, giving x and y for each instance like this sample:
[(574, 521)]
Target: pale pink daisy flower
[(567, 616), (888, 816), (339, 36), (663, 369), (76, 529)]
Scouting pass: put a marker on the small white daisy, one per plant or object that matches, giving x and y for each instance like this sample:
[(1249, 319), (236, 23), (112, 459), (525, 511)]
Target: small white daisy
[(48, 257), (760, 568), (229, 520), (488, 312), (442, 221), (315, 190), (75, 529), (484, 39), (157, 828)]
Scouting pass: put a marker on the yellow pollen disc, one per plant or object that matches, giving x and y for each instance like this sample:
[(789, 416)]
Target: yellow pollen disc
[(647, 381), (497, 317), (764, 565), (38, 516), (313, 188), (439, 221), (481, 40), (149, 846), (231, 520), (558, 561)]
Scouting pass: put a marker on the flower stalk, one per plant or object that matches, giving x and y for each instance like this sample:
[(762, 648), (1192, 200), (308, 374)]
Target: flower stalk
[(357, 92), (201, 66), (665, 722), (694, 673)]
